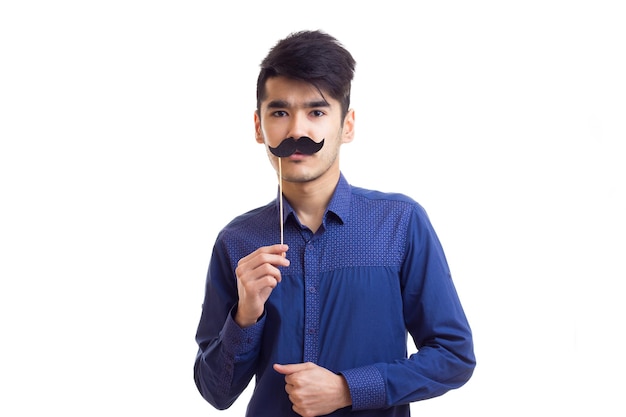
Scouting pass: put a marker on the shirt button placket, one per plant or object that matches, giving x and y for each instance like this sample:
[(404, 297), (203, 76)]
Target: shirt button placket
[(311, 303)]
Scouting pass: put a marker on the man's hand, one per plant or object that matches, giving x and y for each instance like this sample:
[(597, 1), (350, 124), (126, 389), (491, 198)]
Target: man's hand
[(313, 390), (257, 275)]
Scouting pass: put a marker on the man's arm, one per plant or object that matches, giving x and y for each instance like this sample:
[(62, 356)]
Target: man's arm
[(232, 322)]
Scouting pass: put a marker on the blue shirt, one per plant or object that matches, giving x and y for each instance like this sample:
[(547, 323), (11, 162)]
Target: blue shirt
[(372, 272)]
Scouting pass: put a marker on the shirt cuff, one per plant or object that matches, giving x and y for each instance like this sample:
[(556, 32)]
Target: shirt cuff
[(367, 388), (241, 341)]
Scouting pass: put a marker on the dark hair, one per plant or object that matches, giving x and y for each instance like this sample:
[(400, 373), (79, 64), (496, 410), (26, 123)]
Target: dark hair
[(314, 57)]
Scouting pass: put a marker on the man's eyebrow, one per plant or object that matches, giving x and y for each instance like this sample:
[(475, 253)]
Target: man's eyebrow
[(318, 103), (281, 104), (277, 104)]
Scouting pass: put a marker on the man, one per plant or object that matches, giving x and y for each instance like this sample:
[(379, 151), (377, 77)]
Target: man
[(321, 321)]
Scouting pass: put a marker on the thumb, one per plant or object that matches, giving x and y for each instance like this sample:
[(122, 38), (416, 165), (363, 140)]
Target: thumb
[(289, 369)]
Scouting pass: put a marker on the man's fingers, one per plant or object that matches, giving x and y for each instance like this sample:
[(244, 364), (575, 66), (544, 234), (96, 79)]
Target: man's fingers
[(263, 261), (257, 275), (267, 250)]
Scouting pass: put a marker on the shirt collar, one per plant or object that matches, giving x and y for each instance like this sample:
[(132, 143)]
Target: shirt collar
[(339, 205)]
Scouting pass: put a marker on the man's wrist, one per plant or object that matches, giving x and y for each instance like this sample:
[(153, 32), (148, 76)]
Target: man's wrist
[(239, 340), (346, 398), (246, 320)]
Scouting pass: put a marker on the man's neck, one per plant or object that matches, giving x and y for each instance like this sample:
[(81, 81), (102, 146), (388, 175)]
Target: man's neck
[(310, 199)]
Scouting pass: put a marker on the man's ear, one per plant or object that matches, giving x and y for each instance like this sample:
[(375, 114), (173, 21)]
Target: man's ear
[(347, 134), (258, 133)]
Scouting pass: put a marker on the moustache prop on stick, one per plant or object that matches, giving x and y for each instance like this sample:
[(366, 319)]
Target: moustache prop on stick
[(305, 145)]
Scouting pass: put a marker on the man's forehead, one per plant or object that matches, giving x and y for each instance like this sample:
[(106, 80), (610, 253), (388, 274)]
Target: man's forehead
[(287, 92)]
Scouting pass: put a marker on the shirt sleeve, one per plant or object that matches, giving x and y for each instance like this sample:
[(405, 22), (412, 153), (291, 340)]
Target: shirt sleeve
[(435, 319), (227, 354), (241, 342)]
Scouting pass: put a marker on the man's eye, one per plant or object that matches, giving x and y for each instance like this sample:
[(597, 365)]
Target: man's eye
[(317, 113), (279, 113)]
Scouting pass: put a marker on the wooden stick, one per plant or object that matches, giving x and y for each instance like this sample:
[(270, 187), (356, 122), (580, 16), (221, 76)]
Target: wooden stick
[(280, 196)]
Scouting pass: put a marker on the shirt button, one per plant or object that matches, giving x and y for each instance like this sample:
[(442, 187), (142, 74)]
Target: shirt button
[(312, 290)]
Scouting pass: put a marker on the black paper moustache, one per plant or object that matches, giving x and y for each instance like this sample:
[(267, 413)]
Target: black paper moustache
[(305, 145)]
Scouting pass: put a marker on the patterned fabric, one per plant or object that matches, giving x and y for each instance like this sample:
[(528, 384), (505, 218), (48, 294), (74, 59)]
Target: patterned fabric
[(372, 272)]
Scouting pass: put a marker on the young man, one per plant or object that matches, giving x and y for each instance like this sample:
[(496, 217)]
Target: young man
[(321, 321)]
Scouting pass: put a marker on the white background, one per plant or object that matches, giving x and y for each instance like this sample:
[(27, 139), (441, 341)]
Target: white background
[(127, 142)]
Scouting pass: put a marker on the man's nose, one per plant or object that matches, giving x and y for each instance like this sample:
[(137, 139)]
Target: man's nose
[(297, 125)]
